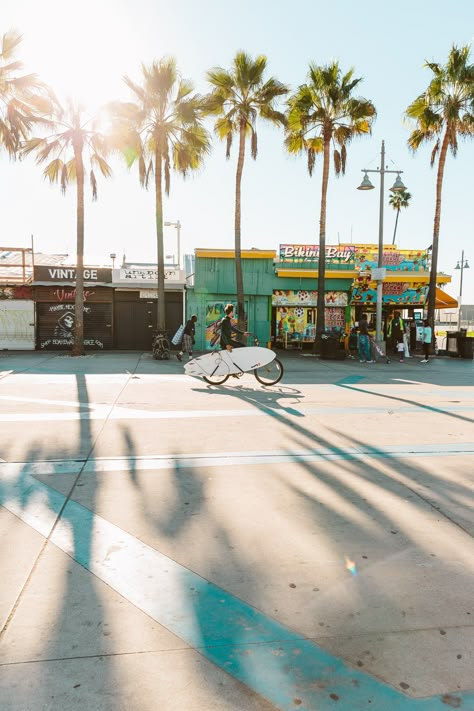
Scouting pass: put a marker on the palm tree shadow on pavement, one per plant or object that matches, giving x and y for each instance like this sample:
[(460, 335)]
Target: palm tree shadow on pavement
[(61, 599)]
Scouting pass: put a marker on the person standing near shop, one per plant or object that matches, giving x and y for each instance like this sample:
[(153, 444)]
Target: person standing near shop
[(364, 343), (396, 330), (427, 338), (188, 338)]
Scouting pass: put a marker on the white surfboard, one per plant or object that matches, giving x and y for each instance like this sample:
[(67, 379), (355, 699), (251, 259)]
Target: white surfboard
[(225, 363)]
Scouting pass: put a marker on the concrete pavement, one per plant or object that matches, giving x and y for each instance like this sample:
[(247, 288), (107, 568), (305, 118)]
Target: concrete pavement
[(166, 544)]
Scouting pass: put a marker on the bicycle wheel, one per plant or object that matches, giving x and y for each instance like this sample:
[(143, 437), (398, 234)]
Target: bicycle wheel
[(269, 374), (215, 379)]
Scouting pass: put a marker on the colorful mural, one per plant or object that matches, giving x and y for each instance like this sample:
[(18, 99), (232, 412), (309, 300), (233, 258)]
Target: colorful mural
[(364, 291), (307, 298), (404, 260), (297, 319)]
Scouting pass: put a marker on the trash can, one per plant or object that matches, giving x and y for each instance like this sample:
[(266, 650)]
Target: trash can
[(452, 344), (331, 347), (465, 347)]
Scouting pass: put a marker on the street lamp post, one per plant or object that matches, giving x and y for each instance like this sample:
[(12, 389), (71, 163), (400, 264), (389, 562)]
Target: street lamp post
[(177, 225), (397, 187), (462, 265)]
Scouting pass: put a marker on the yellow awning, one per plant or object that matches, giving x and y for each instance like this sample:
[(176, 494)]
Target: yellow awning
[(444, 300)]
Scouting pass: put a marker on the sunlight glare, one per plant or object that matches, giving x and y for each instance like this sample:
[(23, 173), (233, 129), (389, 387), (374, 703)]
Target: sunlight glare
[(83, 57)]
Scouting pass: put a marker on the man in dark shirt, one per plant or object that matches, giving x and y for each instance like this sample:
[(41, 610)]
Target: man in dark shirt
[(188, 338), (226, 340)]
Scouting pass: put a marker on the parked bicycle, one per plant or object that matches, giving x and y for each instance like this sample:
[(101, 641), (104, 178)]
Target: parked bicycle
[(160, 346), (216, 367)]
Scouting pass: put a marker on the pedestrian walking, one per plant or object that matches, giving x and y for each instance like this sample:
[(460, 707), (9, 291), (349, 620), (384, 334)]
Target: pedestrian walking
[(426, 339), (188, 338), (364, 343)]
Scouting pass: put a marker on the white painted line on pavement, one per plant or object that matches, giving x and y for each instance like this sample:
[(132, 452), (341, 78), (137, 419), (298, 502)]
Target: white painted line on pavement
[(226, 459)]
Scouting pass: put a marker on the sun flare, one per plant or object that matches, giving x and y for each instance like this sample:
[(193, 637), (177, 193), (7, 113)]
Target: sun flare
[(84, 56)]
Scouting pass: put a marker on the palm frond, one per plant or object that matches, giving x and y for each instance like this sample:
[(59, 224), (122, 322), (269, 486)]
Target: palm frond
[(10, 42), (93, 181), (228, 145), (434, 153), (53, 170), (104, 167), (167, 171), (343, 159), (337, 162), (253, 145), (311, 160), (295, 142)]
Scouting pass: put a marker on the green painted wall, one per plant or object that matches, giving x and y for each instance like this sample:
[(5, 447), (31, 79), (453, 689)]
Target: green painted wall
[(258, 321), (214, 280), (217, 276)]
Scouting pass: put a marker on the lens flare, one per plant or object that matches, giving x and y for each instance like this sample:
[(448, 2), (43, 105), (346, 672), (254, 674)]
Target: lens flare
[(350, 566)]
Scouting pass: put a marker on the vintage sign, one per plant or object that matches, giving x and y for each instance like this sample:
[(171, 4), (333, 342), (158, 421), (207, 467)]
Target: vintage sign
[(56, 274), (309, 253)]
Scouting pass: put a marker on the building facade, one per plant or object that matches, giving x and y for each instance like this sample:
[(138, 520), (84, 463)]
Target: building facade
[(281, 289)]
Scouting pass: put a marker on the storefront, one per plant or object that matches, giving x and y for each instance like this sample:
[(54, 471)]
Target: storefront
[(135, 304), (294, 309), (55, 308), (281, 289)]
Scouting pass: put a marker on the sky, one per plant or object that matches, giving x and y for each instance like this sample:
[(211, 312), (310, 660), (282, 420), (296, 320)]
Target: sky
[(84, 53)]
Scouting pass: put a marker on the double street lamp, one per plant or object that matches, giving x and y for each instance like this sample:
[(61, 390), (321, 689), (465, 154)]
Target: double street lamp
[(378, 273), (462, 265)]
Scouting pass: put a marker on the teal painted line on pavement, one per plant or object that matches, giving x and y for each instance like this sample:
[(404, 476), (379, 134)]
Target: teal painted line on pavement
[(350, 380), (288, 670)]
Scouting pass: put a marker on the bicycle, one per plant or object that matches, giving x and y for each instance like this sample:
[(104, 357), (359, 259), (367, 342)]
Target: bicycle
[(160, 346), (216, 367)]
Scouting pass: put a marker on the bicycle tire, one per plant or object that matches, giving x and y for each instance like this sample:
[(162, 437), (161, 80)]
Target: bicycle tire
[(269, 374), (215, 379)]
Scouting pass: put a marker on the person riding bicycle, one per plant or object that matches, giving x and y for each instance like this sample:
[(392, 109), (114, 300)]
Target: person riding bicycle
[(227, 329)]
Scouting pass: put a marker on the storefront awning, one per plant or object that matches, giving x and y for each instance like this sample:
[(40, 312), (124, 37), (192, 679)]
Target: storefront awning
[(444, 300)]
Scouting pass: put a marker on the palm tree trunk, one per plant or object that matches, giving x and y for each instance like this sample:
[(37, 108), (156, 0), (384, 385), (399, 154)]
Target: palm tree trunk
[(396, 223), (437, 220), (241, 315), (320, 311), (78, 345), (161, 311)]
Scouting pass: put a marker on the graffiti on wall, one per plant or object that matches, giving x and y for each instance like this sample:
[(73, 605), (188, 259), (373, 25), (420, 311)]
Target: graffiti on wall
[(57, 322), (15, 292)]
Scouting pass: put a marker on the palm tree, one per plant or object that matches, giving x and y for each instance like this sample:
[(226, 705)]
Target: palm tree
[(238, 98), (443, 113), (22, 96), (160, 130), (323, 114), (74, 143), (397, 201)]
